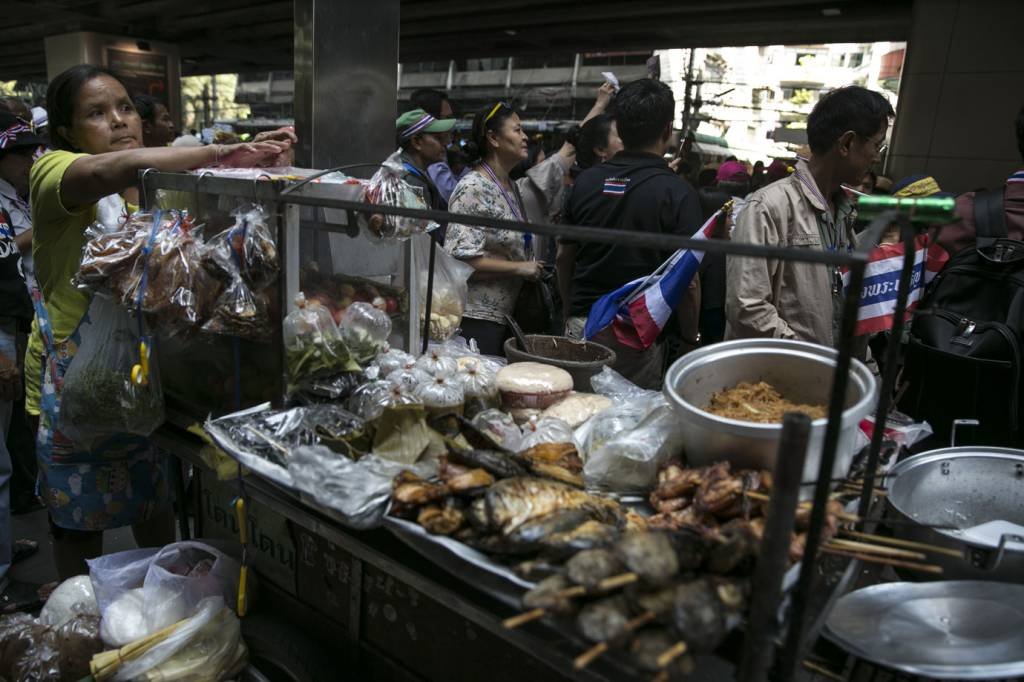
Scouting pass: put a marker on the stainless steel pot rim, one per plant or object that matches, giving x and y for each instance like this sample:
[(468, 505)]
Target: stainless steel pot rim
[(963, 452), (859, 374)]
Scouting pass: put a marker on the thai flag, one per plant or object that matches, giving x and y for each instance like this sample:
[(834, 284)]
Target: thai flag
[(877, 306), (615, 187), (639, 310)]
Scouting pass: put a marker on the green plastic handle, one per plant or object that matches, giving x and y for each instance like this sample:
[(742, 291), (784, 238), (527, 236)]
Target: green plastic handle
[(930, 210)]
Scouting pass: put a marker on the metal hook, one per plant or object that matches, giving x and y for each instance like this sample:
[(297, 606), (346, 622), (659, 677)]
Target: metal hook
[(199, 182), (255, 198), (142, 187)]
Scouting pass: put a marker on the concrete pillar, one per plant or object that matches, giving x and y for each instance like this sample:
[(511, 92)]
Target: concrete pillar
[(962, 86)]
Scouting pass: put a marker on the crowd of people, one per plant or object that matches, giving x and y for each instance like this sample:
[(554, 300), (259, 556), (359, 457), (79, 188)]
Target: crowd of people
[(77, 162)]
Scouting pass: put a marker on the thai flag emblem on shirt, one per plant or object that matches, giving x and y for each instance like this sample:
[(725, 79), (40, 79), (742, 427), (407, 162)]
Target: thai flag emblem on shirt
[(615, 187)]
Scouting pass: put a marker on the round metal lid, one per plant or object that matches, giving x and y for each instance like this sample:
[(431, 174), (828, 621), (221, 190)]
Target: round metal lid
[(956, 629)]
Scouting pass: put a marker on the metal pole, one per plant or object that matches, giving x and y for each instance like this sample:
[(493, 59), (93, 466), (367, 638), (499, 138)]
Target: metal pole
[(687, 99), (892, 357), (766, 586), (430, 292), (837, 403)]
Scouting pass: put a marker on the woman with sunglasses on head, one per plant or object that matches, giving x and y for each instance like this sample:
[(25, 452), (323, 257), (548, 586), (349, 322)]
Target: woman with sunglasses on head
[(91, 175), (503, 259)]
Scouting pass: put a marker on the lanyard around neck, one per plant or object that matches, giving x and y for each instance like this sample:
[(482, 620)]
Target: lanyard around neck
[(513, 204)]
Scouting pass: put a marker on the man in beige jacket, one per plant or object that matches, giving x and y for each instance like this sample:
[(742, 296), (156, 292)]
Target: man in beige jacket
[(808, 210)]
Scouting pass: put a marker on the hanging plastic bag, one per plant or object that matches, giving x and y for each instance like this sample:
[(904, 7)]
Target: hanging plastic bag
[(110, 251), (313, 344), (387, 188), (629, 443), (545, 430), (100, 397), (246, 248), (365, 330), (450, 292), (207, 647)]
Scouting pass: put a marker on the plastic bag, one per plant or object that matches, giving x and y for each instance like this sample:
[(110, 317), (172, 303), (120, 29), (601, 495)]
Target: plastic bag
[(545, 430), (409, 376), (387, 188), (239, 311), (477, 380), (610, 383), (30, 650), (313, 344), (628, 443), (247, 249), (450, 292), (501, 428), (72, 597), (442, 395), (99, 397), (359, 491), (365, 330), (392, 359), (135, 603), (207, 647), (436, 362), (110, 251), (900, 429), (166, 280), (367, 401), (577, 408)]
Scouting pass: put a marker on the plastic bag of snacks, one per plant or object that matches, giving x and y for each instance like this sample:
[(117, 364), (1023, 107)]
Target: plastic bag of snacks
[(387, 188), (436, 362), (365, 330), (409, 376), (246, 248), (392, 359), (477, 379), (313, 344), (451, 289), (443, 394), (110, 250), (545, 430), (99, 397)]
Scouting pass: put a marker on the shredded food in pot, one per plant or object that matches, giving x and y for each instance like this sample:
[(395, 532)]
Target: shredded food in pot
[(759, 403)]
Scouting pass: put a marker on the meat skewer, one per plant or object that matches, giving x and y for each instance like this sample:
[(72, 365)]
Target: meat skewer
[(870, 558)]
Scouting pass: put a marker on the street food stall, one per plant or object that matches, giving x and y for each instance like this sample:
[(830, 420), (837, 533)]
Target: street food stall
[(395, 491)]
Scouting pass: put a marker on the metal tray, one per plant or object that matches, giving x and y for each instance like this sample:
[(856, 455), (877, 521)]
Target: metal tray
[(956, 629), (462, 560)]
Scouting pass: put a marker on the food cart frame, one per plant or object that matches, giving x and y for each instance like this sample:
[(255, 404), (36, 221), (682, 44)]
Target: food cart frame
[(283, 203)]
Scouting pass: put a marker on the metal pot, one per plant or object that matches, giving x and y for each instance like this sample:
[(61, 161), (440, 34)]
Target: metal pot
[(972, 489), (800, 371)]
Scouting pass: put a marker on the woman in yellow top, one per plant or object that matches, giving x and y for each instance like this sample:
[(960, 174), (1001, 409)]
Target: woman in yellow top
[(97, 137)]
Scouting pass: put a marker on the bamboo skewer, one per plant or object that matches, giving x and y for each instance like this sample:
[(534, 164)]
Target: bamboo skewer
[(842, 516), (105, 665), (524, 618), (570, 592), (666, 657), (821, 670), (884, 540), (617, 581), (588, 656), (871, 558), (851, 545)]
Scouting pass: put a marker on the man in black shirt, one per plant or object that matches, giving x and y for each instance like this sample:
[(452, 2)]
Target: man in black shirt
[(634, 191)]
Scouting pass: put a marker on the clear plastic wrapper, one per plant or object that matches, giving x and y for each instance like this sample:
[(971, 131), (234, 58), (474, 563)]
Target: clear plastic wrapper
[(900, 430), (450, 291), (262, 439), (111, 250), (365, 330), (313, 344), (441, 395), (501, 428), (545, 430), (239, 311), (30, 650), (367, 401), (628, 443), (336, 387), (246, 248), (72, 597), (358, 491), (610, 383), (387, 188), (392, 359), (208, 647), (437, 363), (477, 379), (99, 397), (578, 408), (409, 376)]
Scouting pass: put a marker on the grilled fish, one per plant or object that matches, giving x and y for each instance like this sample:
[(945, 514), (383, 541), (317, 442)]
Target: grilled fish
[(511, 502)]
